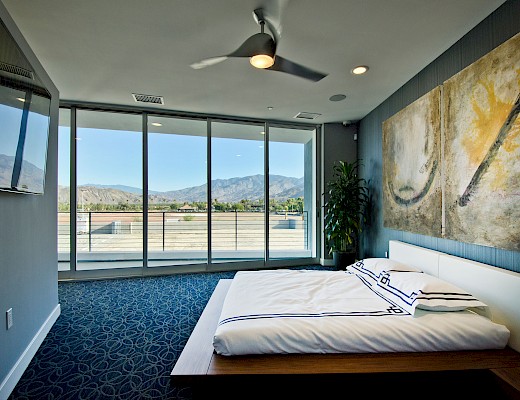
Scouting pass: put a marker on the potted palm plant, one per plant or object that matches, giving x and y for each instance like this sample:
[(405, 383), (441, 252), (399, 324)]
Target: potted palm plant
[(345, 212)]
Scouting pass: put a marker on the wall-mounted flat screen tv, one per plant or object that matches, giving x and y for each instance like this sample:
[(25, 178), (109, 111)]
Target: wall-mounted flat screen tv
[(24, 132)]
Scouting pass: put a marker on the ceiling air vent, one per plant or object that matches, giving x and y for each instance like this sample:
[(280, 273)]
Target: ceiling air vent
[(306, 115), (148, 98), (13, 69)]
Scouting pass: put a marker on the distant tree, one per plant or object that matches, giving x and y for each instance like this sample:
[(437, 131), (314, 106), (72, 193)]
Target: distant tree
[(97, 207), (294, 204), (122, 206), (175, 205), (274, 205), (63, 207), (238, 207), (200, 205), (218, 206)]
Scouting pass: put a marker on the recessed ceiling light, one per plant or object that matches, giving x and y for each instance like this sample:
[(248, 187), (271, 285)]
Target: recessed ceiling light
[(156, 124), (21, 99), (337, 97), (270, 108), (359, 70)]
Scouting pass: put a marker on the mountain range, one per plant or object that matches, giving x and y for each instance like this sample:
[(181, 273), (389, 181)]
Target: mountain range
[(230, 190)]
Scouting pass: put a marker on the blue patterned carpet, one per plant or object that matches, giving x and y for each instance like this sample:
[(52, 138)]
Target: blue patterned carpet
[(118, 339)]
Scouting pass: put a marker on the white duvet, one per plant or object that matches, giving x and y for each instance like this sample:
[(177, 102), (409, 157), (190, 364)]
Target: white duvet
[(312, 311)]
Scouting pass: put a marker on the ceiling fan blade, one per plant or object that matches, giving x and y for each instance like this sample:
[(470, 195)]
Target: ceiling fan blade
[(283, 65), (208, 61), (259, 43)]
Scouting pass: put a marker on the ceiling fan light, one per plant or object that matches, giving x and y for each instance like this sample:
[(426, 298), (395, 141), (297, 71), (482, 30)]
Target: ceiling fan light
[(261, 61), (360, 70)]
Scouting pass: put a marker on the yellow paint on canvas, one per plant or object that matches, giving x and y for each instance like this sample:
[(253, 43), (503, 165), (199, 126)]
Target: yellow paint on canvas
[(490, 114), (486, 124)]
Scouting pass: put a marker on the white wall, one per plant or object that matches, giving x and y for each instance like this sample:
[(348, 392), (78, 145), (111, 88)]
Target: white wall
[(28, 251)]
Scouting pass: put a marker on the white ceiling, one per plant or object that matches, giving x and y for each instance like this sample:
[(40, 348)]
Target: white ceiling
[(103, 51)]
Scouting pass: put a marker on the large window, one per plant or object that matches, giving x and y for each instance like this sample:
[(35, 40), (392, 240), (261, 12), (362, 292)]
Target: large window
[(109, 190), (154, 193), (237, 192), (177, 191), (291, 188)]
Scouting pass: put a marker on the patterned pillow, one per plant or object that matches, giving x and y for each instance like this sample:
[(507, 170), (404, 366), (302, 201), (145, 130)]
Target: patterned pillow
[(414, 290), (372, 268)]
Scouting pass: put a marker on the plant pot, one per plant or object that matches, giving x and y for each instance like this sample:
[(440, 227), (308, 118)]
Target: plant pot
[(343, 259)]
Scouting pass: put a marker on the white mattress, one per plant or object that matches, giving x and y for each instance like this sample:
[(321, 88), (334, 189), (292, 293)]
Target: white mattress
[(312, 311)]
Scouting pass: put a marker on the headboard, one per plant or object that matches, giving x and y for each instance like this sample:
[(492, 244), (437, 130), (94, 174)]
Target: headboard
[(497, 287)]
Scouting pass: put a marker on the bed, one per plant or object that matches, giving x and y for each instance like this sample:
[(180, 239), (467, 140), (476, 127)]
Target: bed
[(239, 344)]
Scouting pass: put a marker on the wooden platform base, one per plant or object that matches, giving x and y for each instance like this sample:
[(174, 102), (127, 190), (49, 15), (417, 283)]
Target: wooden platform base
[(445, 374)]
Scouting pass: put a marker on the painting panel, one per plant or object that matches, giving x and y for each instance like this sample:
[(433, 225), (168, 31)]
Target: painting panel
[(412, 198), (482, 150)]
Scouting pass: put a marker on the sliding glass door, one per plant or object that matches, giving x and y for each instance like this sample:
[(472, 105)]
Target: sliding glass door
[(237, 192), (291, 193), (109, 190), (177, 191)]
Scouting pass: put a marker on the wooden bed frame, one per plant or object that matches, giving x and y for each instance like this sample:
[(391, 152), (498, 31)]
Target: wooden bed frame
[(496, 372)]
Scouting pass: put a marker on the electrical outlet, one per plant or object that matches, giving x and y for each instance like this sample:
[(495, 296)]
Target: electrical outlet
[(9, 318)]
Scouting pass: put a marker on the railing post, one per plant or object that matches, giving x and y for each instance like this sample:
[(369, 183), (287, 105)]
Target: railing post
[(163, 228), (306, 229), (90, 231), (236, 230)]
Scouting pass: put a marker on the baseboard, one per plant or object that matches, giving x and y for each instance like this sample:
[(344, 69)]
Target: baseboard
[(21, 365), (327, 262)]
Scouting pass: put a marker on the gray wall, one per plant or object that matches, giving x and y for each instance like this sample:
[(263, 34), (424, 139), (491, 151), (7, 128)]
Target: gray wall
[(337, 144), (494, 30), (28, 249)]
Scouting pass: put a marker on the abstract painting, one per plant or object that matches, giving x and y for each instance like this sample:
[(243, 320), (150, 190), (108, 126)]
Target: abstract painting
[(481, 131), (412, 198)]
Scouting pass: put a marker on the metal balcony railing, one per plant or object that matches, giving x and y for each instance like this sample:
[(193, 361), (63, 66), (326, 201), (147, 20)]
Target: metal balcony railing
[(122, 231)]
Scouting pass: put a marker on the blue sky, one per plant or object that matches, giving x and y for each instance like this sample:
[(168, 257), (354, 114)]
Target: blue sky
[(175, 161), (36, 137)]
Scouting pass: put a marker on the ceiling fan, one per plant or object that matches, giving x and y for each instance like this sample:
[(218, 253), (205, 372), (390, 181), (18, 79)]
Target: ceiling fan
[(261, 49)]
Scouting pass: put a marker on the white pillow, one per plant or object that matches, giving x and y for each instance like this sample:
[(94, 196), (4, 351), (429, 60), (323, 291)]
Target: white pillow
[(372, 268), (414, 290)]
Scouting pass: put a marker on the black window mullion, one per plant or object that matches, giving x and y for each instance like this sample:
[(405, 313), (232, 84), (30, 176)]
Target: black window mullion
[(145, 191)]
